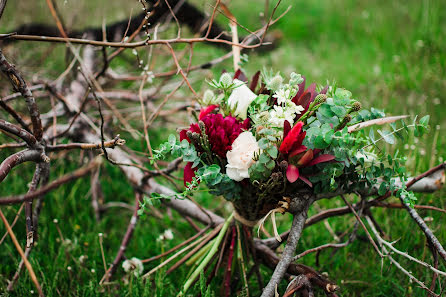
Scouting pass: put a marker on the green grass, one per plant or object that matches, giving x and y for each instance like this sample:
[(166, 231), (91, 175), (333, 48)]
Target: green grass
[(390, 54)]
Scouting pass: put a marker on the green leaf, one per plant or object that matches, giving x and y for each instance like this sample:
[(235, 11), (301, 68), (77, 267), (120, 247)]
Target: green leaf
[(387, 136), (272, 151), (325, 111), (425, 120), (172, 139), (382, 189), (342, 94), (320, 143), (339, 111), (271, 164), (263, 143), (264, 158)]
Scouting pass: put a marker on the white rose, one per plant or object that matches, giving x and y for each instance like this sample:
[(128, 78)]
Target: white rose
[(241, 97), (240, 158)]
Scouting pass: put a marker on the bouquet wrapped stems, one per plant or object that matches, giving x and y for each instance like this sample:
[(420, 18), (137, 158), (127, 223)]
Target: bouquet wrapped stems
[(226, 252)]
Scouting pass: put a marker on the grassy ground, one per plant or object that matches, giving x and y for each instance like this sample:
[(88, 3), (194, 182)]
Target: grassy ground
[(390, 54)]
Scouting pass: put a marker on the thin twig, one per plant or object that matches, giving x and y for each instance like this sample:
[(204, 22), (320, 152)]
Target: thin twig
[(363, 226)]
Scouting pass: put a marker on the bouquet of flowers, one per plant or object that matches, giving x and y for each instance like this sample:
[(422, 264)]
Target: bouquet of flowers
[(259, 143), (265, 143)]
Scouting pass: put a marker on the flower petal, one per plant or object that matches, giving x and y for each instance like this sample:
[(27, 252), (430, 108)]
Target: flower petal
[(205, 111), (189, 173), (291, 138), (240, 76), (306, 158), (292, 173), (297, 151), (183, 135), (286, 128), (240, 99), (254, 81), (305, 180), (321, 159)]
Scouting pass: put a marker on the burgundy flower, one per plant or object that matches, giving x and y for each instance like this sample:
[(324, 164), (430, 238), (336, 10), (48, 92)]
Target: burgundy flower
[(221, 132)]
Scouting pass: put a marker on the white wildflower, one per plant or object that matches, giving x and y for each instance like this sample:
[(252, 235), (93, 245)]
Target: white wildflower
[(168, 234), (82, 259), (279, 114), (282, 95), (293, 108), (240, 158), (133, 265)]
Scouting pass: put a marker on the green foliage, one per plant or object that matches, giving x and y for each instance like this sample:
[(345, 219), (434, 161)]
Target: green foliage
[(177, 149)]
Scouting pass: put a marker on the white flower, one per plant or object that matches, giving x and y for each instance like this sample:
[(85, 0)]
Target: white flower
[(133, 265), (168, 234), (279, 114), (282, 96), (241, 97), (240, 158)]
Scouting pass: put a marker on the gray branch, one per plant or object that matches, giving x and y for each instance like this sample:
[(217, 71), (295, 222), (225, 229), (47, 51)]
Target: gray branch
[(287, 256)]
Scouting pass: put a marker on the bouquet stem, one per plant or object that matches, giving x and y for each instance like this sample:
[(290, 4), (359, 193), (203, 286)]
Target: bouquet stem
[(208, 257)]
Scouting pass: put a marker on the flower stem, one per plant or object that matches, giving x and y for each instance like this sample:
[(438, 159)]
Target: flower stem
[(208, 258)]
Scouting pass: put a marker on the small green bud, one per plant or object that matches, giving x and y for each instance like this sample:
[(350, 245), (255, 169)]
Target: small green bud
[(321, 98), (275, 83), (347, 118), (344, 122), (296, 79), (356, 106), (194, 136), (202, 126), (276, 176), (283, 164), (226, 79)]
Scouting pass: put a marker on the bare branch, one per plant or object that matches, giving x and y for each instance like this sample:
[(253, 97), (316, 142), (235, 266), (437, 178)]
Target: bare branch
[(53, 185), (287, 256), (18, 158), (17, 131), (426, 230), (20, 85), (393, 261)]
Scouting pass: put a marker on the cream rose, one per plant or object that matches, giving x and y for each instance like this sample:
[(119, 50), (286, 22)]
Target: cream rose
[(241, 97), (240, 158)]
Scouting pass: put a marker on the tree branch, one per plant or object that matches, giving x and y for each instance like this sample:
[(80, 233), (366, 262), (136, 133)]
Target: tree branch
[(16, 159), (287, 256)]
